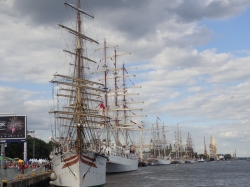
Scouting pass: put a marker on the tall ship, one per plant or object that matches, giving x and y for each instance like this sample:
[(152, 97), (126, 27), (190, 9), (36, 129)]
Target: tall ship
[(159, 146), (118, 106), (213, 149), (178, 151), (189, 156), (78, 159)]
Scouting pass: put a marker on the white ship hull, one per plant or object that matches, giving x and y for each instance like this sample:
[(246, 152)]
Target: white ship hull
[(118, 164), (79, 171), (179, 161), (191, 161), (158, 161)]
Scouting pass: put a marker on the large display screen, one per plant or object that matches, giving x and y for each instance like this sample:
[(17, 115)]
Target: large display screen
[(13, 127)]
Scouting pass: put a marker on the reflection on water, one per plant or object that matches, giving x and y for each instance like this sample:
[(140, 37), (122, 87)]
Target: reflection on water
[(210, 174)]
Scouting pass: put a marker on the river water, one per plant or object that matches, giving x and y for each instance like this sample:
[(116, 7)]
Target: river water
[(209, 174)]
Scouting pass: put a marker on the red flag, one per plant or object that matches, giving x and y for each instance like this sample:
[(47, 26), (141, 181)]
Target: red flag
[(102, 106)]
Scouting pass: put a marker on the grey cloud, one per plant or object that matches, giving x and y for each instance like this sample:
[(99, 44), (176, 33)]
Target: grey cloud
[(195, 10), (41, 12), (133, 18)]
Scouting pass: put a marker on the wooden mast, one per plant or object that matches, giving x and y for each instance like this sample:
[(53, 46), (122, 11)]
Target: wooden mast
[(79, 101), (116, 104), (124, 102), (106, 89)]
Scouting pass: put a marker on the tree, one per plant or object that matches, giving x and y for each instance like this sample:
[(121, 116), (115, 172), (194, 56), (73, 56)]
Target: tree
[(42, 149), (227, 156)]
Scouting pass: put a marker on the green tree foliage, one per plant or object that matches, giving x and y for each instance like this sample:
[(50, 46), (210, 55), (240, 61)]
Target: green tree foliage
[(42, 149), (227, 156), (195, 155)]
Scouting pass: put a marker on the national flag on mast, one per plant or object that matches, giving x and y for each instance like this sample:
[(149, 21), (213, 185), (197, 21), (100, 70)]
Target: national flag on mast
[(102, 106)]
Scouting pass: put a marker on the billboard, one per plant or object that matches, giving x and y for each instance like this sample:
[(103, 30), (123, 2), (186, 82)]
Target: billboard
[(13, 128)]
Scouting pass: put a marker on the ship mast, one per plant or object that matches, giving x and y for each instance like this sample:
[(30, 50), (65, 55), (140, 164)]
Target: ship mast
[(205, 149), (79, 75), (116, 103), (78, 115), (124, 102)]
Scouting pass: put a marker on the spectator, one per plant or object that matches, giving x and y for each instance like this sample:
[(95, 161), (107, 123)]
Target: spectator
[(22, 168), (17, 168)]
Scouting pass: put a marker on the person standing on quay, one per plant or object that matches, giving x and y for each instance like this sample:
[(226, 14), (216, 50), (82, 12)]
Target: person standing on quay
[(22, 168)]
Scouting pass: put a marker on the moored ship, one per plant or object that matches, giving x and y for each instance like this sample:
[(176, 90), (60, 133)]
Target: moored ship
[(78, 159)]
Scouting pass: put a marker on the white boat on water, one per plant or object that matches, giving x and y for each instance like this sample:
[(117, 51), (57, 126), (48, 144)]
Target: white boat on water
[(120, 159), (121, 162), (201, 160), (78, 159), (158, 161), (177, 161), (190, 161)]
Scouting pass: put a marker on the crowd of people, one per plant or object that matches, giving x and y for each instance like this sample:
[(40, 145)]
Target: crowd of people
[(21, 166)]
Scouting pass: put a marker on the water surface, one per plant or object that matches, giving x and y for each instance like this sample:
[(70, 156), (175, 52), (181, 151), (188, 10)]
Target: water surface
[(210, 174)]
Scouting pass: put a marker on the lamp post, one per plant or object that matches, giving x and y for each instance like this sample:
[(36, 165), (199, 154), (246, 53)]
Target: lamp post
[(33, 143)]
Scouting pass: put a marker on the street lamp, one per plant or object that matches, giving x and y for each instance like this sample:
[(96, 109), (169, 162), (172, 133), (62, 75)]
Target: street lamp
[(33, 142)]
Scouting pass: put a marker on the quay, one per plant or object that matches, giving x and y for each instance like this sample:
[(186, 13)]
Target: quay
[(34, 178)]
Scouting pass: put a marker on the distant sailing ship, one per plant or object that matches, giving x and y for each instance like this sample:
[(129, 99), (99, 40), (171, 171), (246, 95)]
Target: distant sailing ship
[(77, 160), (178, 152), (159, 146), (189, 156)]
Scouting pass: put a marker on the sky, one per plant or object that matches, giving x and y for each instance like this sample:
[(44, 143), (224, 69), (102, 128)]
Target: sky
[(192, 60)]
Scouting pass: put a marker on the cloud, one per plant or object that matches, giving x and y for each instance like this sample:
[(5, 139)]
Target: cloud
[(195, 10), (205, 91)]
